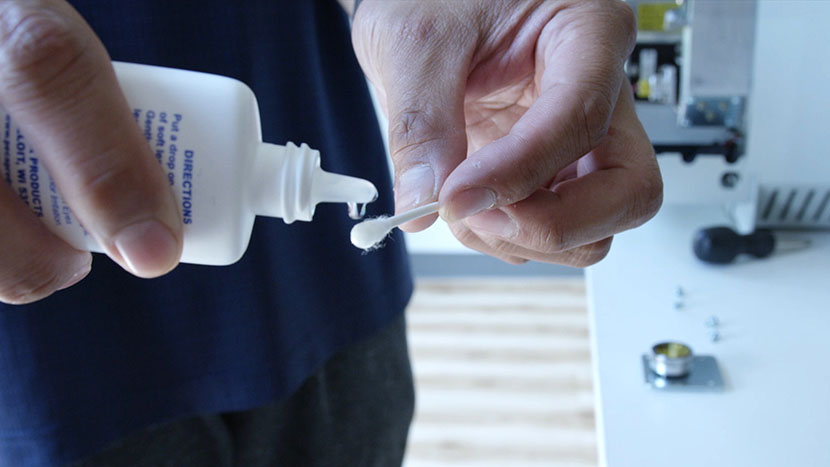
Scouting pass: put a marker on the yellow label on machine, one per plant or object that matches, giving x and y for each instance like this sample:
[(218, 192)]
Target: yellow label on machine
[(650, 16)]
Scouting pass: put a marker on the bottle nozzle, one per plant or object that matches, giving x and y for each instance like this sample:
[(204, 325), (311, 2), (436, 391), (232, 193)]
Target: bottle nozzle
[(289, 183), (328, 187)]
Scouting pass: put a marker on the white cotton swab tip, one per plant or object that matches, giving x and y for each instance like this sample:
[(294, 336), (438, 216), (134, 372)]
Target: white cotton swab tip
[(370, 232)]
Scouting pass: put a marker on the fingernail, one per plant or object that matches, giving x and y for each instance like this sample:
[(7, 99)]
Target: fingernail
[(470, 202), (148, 248), (82, 271), (416, 186), (493, 222)]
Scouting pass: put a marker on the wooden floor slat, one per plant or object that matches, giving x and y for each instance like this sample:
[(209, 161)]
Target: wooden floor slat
[(503, 373)]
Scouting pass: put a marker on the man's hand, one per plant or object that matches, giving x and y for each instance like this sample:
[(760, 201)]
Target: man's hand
[(516, 116), (58, 85)]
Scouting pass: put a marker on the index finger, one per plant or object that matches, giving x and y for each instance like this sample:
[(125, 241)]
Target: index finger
[(579, 59)]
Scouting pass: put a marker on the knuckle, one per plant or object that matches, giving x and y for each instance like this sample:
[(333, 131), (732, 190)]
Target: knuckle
[(103, 173), (551, 239), (406, 30), (466, 236), (471, 240), (401, 131), (588, 255), (415, 29), (533, 173), (547, 236), (595, 119), (411, 128), (402, 32), (618, 19), (596, 252), (649, 198), (40, 282), (114, 187), (514, 260), (627, 22), (36, 43), (418, 31), (499, 249)]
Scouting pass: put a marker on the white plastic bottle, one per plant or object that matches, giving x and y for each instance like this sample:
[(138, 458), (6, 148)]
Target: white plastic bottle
[(205, 132)]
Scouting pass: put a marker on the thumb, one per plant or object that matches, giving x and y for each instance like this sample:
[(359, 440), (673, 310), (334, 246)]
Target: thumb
[(421, 87), (427, 140), (58, 83)]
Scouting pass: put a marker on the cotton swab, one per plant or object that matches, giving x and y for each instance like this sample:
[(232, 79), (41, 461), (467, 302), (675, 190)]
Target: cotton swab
[(372, 231)]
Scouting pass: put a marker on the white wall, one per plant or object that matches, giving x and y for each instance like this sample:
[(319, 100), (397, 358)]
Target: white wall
[(789, 120)]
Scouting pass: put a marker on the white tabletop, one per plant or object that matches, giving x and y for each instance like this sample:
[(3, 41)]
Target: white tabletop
[(775, 328)]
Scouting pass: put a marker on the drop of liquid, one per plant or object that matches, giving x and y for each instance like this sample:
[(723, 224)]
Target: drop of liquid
[(356, 211)]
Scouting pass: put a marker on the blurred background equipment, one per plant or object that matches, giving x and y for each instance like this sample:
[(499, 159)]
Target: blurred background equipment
[(743, 147)]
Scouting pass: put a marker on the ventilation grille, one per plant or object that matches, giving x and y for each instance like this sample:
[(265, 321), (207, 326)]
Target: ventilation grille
[(794, 207)]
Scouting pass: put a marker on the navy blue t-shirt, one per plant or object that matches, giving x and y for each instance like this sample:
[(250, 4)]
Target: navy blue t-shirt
[(114, 353)]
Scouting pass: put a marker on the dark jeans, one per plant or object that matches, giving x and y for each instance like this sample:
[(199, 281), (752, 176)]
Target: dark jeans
[(356, 411)]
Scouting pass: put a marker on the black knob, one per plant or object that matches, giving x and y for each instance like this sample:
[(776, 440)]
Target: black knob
[(720, 245)]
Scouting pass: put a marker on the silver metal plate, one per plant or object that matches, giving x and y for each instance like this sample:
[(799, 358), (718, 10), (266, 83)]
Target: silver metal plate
[(704, 376), (713, 111)]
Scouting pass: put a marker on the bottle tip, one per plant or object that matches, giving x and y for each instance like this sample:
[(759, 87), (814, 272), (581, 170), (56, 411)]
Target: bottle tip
[(335, 188)]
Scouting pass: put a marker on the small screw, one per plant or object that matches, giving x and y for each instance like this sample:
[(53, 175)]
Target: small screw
[(678, 305), (712, 322), (714, 335), (730, 179), (679, 293)]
